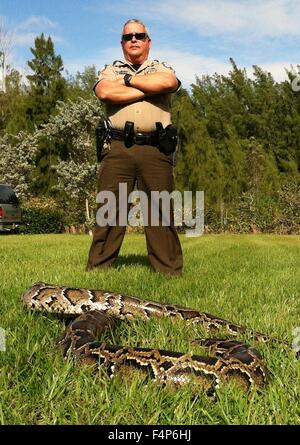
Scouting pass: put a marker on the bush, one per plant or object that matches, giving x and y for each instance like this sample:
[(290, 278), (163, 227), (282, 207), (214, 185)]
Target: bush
[(42, 215), (258, 213)]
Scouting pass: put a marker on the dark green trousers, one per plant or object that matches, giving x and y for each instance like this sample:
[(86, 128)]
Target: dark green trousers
[(151, 170)]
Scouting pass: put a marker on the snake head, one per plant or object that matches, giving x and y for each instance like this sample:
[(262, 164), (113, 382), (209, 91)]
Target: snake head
[(27, 297)]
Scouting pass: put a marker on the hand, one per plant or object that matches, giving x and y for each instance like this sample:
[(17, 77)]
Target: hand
[(120, 81), (155, 83)]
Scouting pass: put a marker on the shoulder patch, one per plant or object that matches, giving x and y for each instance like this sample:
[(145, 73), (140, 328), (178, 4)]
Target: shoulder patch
[(118, 63), (102, 69), (152, 63)]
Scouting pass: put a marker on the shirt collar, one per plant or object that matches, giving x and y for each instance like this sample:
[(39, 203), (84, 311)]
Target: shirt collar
[(141, 68)]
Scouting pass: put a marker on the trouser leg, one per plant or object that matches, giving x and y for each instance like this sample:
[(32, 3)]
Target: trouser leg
[(116, 167), (155, 173)]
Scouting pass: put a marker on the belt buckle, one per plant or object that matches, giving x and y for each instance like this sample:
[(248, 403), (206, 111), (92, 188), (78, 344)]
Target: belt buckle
[(139, 139)]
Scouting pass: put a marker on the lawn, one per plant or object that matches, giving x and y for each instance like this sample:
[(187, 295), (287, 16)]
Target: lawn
[(253, 280)]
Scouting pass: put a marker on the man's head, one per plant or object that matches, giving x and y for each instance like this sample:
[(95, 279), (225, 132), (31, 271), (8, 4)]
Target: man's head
[(135, 41)]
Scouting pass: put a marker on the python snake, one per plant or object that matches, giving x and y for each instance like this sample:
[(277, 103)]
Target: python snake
[(96, 311)]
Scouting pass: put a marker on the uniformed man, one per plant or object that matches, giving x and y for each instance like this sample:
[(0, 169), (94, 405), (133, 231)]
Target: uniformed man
[(136, 93)]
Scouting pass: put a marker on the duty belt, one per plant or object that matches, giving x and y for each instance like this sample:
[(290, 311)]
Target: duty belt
[(137, 138)]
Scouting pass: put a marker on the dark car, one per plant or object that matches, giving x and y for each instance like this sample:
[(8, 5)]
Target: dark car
[(10, 210)]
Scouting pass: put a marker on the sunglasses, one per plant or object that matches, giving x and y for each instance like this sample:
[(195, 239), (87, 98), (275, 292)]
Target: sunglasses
[(137, 35)]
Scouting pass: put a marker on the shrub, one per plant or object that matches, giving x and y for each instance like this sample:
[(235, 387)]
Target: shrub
[(42, 215)]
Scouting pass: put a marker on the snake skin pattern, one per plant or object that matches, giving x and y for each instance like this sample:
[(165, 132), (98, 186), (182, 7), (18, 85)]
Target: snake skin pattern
[(96, 311)]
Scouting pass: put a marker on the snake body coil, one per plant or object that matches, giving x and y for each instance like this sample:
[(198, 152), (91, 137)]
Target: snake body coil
[(97, 310)]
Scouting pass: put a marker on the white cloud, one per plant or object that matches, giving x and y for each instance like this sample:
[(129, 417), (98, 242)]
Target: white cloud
[(25, 32), (255, 18), (27, 38), (37, 22), (24, 39), (188, 65), (277, 69), (258, 17), (75, 66)]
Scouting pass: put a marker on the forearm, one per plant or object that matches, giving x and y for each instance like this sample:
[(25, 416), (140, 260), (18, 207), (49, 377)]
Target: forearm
[(155, 83), (116, 92)]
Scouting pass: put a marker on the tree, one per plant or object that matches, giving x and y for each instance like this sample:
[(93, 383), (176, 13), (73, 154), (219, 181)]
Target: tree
[(6, 38), (13, 118), (81, 85), (17, 161), (47, 84), (47, 87), (239, 142), (198, 165), (73, 176)]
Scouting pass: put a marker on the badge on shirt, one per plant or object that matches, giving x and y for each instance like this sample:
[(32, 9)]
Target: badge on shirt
[(121, 72), (150, 70)]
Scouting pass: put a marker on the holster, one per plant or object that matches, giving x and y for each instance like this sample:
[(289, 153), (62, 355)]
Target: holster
[(128, 134), (102, 134), (167, 138)]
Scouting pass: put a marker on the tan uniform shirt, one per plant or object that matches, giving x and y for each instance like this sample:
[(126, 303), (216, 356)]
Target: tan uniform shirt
[(144, 113)]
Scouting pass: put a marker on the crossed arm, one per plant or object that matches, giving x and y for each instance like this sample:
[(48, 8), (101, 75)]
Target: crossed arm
[(116, 91)]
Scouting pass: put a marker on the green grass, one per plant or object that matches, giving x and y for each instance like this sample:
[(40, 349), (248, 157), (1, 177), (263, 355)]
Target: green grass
[(253, 280)]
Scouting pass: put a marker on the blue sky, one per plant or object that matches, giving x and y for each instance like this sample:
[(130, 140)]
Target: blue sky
[(194, 36)]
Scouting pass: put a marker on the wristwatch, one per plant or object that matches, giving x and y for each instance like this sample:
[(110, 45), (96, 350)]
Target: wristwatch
[(127, 79)]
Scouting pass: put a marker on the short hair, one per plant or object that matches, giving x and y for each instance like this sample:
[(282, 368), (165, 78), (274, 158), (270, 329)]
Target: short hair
[(140, 23)]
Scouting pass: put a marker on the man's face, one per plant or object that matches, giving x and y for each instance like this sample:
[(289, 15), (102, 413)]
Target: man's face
[(135, 51)]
